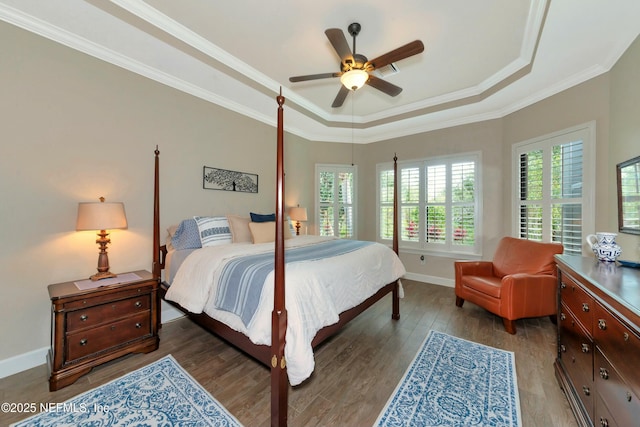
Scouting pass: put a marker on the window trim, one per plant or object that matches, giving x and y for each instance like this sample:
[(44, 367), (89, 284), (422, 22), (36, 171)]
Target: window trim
[(545, 142), (423, 247)]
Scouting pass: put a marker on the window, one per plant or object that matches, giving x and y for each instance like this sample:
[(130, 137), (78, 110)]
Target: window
[(336, 200), (554, 192), (438, 203)]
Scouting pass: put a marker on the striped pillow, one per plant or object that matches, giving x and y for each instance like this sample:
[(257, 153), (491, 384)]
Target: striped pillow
[(213, 230)]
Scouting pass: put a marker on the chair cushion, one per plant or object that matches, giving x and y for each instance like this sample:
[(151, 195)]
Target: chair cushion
[(525, 256), (489, 285)]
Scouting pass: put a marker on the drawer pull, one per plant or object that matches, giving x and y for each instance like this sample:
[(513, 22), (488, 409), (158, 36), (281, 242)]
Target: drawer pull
[(585, 348), (586, 390), (626, 336), (563, 285), (604, 374), (602, 324), (628, 397), (84, 317), (563, 349), (83, 341), (585, 307), (563, 316), (138, 304), (138, 325), (604, 422)]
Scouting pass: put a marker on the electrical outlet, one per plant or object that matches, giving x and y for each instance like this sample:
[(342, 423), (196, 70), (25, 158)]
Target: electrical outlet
[(422, 260)]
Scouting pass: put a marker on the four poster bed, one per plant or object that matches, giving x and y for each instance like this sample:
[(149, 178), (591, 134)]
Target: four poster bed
[(355, 277)]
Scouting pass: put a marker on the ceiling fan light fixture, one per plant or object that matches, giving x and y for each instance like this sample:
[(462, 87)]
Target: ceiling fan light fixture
[(354, 79)]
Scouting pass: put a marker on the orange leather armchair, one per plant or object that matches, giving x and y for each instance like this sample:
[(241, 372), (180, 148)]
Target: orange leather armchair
[(519, 283)]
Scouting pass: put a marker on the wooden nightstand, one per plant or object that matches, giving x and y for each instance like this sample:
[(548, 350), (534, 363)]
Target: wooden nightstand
[(93, 326)]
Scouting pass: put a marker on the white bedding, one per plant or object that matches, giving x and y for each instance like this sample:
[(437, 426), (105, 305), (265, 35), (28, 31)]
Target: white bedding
[(316, 292)]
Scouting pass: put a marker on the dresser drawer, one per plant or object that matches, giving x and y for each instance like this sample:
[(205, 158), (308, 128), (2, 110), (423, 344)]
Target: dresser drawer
[(113, 310), (578, 301), (576, 354), (620, 344), (89, 341), (604, 418), (620, 401)]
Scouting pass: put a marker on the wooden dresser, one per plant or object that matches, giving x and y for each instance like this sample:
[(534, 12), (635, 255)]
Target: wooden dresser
[(598, 362), (90, 327)]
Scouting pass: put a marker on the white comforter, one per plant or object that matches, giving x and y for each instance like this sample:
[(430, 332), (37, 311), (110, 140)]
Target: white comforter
[(316, 292)]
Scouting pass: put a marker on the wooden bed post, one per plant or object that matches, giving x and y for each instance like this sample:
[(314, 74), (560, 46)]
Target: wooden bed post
[(156, 217), (395, 311), (279, 381)]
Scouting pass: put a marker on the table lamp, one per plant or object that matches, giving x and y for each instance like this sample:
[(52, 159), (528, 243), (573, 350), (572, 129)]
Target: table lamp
[(101, 216), (298, 214)]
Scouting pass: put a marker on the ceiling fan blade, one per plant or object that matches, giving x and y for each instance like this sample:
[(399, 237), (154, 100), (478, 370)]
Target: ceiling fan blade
[(384, 86), (409, 49), (339, 43), (313, 77), (342, 94)]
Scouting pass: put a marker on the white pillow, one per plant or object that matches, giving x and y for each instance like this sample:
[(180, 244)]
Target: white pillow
[(213, 230)]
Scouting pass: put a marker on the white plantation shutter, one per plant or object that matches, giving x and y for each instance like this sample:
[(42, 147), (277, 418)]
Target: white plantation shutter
[(531, 216), (335, 200), (410, 204), (463, 200), (552, 189), (385, 204), (438, 203)]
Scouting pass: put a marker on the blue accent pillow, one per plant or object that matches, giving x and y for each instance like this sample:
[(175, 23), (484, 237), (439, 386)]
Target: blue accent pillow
[(187, 235), (262, 217)]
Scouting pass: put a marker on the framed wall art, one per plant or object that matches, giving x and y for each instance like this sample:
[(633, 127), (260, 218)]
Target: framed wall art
[(223, 179)]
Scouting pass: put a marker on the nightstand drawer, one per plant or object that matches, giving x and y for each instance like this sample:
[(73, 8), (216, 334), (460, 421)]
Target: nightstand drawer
[(92, 300), (92, 316), (83, 343)]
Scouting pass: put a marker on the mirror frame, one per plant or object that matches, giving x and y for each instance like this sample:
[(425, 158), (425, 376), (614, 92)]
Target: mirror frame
[(619, 168)]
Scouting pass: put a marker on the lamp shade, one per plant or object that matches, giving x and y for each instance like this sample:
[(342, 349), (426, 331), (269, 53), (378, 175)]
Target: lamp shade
[(354, 79), (100, 216), (298, 214)]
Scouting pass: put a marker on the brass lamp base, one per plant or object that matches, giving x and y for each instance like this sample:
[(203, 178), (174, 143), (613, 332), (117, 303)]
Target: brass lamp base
[(103, 258)]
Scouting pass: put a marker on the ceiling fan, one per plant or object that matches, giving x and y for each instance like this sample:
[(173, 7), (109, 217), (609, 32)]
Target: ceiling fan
[(355, 68)]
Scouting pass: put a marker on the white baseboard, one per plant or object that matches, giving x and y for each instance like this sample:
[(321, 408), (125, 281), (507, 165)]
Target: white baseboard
[(450, 283), (169, 313), (31, 359), (23, 361)]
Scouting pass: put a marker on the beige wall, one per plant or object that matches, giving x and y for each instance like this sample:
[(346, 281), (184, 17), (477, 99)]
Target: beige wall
[(624, 138), (581, 104), (485, 137), (75, 128)]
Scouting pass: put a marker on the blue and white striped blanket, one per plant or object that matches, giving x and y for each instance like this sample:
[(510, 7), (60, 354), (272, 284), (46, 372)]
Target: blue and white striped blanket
[(243, 278)]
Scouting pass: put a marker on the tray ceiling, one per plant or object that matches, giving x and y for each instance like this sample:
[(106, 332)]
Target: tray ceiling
[(482, 60)]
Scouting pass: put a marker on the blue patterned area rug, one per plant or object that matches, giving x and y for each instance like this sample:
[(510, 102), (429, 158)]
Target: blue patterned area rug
[(160, 394), (454, 382)]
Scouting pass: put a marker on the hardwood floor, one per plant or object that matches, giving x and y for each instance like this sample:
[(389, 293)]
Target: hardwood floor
[(356, 371)]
